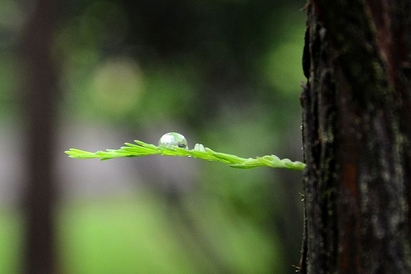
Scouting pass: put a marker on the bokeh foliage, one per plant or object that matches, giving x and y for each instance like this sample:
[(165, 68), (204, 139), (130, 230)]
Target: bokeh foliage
[(227, 72)]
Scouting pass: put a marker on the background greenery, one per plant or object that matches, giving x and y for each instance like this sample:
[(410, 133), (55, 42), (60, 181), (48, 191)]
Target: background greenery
[(225, 74)]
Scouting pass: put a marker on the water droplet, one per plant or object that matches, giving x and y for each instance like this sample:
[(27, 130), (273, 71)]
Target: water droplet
[(199, 147), (173, 139)]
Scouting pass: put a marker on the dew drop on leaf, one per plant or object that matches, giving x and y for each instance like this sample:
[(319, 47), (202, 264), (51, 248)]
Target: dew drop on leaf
[(199, 147), (173, 139)]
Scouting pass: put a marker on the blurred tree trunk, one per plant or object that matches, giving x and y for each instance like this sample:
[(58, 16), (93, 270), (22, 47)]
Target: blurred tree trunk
[(39, 107), (357, 137)]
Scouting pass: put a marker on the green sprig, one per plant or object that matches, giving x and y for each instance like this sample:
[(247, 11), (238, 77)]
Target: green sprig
[(140, 149)]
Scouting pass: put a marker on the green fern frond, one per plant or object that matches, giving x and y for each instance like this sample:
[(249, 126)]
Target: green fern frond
[(140, 149)]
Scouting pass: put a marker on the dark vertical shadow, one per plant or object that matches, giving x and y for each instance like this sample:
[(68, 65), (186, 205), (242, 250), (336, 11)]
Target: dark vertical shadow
[(39, 112)]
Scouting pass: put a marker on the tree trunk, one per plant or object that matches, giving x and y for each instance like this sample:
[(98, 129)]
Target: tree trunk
[(39, 109), (357, 134)]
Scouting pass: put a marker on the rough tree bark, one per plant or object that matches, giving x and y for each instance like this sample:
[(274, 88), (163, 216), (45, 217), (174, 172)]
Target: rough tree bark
[(357, 137)]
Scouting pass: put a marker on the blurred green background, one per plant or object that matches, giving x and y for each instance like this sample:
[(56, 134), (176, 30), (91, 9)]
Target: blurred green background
[(224, 73)]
